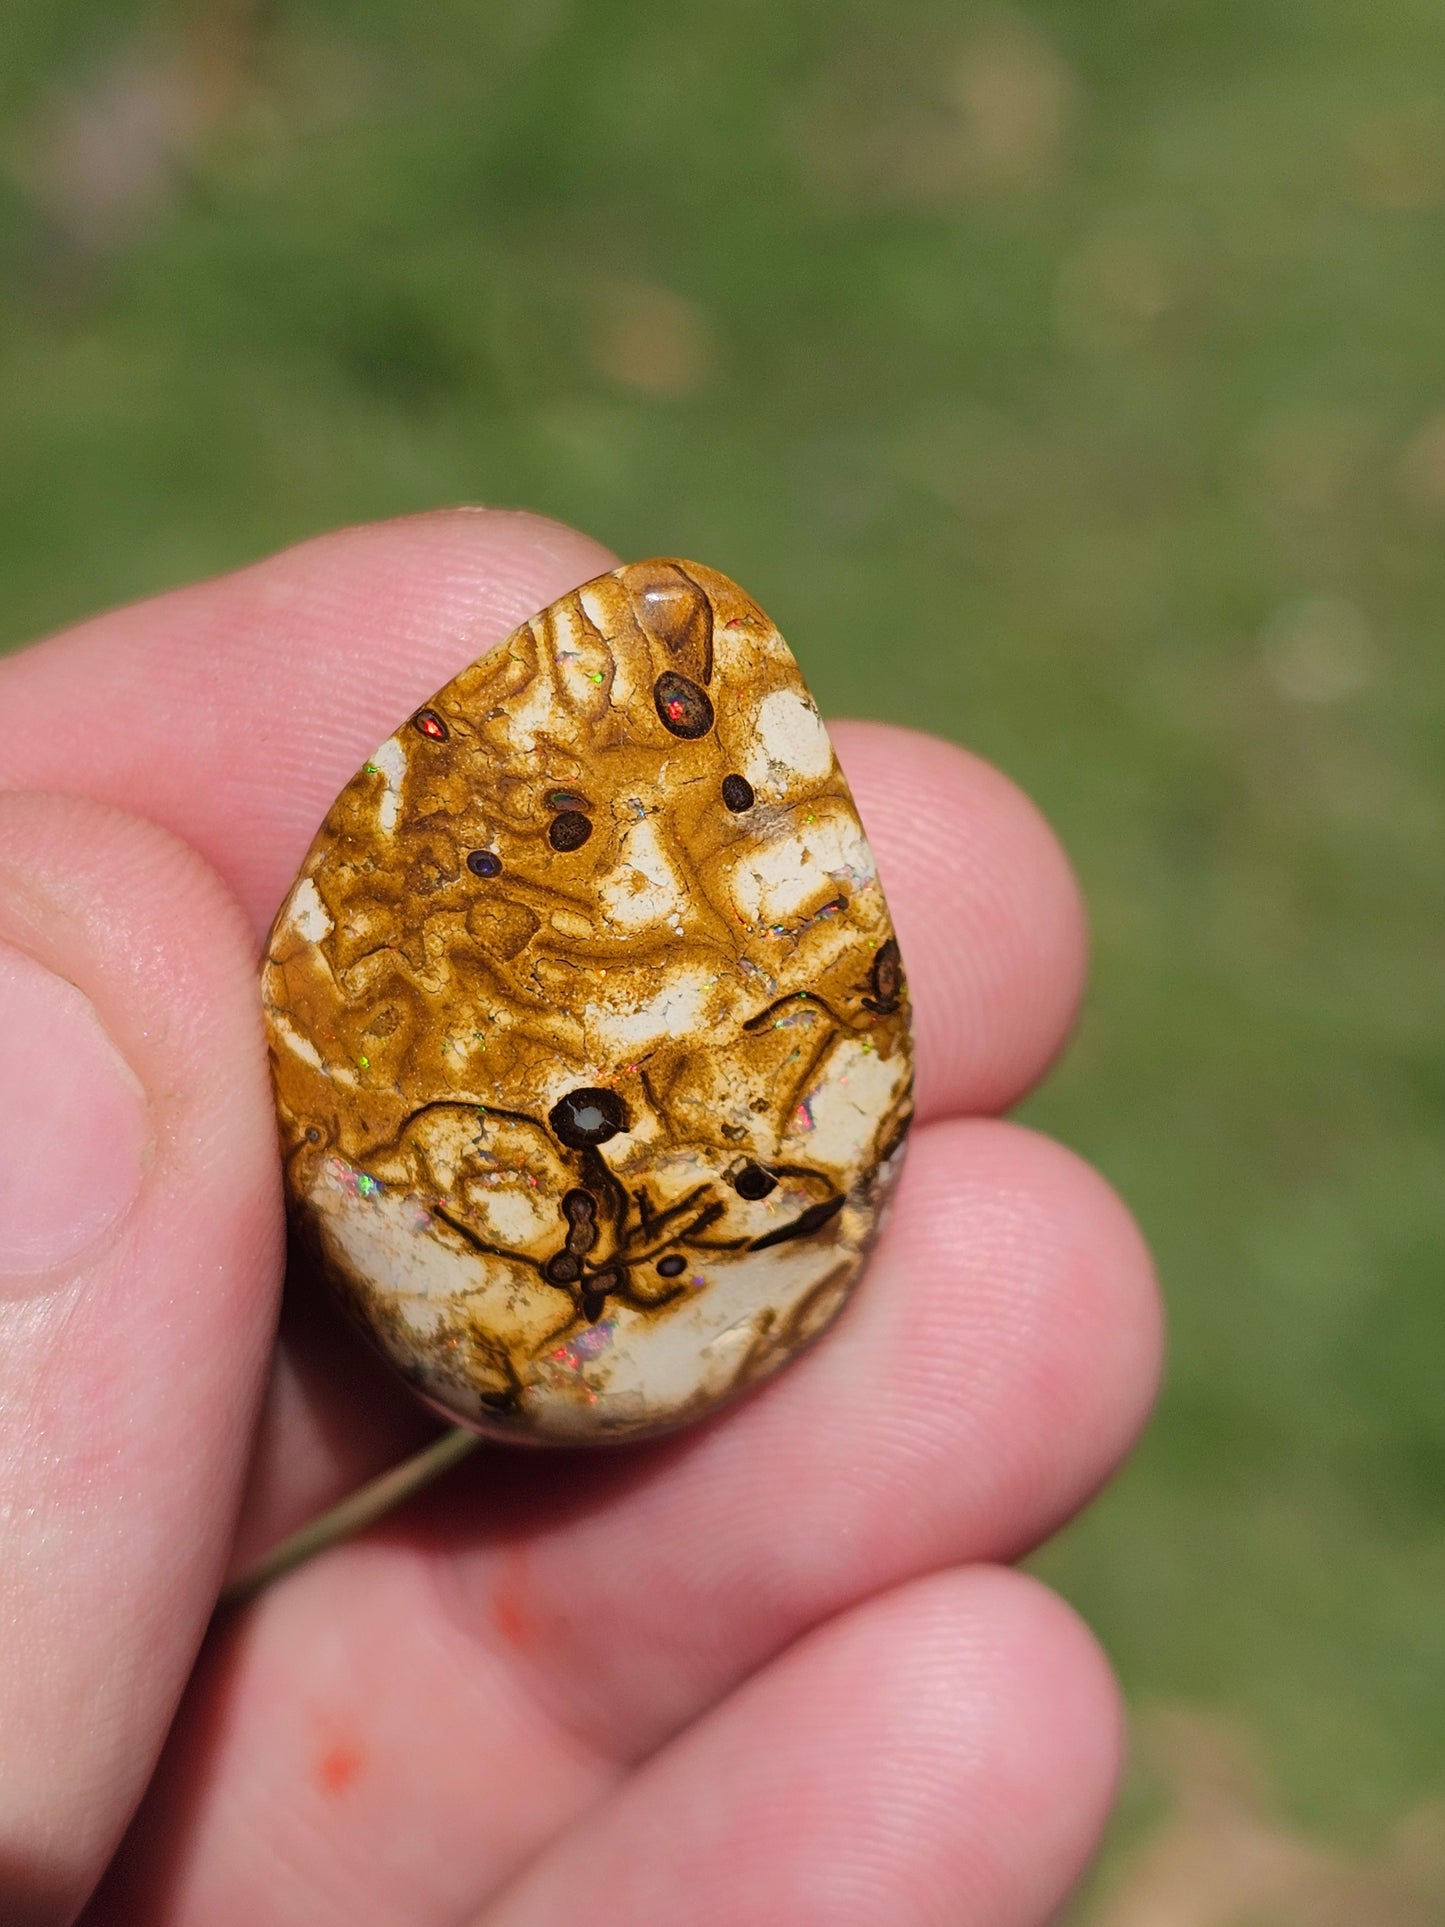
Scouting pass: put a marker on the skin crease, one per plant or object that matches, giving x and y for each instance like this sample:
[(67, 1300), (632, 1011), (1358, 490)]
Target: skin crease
[(608, 1675)]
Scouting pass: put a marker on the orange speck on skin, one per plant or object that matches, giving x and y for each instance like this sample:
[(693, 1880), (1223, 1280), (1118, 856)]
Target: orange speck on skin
[(511, 1606), (512, 1622), (339, 1766)]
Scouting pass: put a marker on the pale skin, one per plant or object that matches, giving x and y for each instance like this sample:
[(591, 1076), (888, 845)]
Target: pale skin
[(774, 1671)]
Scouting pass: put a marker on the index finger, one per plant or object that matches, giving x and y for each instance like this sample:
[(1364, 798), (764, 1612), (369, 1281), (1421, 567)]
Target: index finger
[(233, 712)]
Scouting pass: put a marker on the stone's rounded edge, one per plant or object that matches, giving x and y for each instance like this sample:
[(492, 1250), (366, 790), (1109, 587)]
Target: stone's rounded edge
[(300, 928)]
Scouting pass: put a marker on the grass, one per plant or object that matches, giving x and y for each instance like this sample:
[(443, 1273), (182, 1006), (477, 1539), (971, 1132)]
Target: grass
[(1066, 378)]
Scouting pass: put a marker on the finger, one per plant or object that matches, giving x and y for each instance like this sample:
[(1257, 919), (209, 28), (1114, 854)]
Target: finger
[(139, 1255), (578, 1611), (946, 1754), (232, 712)]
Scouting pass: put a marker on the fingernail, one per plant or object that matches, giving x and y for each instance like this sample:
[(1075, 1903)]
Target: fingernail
[(73, 1122)]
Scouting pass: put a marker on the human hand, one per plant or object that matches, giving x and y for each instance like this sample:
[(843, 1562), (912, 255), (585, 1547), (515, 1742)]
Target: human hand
[(767, 1671)]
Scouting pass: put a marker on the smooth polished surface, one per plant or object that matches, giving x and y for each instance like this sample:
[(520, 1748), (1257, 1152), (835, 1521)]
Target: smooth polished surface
[(588, 1024)]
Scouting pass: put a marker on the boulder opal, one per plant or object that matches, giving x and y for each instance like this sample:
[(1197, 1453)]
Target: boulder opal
[(589, 1031)]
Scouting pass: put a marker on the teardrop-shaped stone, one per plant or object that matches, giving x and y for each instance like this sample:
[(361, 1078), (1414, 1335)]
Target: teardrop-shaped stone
[(588, 1025)]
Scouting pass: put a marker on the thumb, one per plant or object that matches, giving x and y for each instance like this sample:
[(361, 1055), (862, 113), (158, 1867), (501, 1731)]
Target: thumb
[(140, 1256)]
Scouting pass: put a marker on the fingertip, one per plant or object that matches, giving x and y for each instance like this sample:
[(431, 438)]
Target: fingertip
[(1057, 1740), (1009, 1238), (984, 1735), (973, 1733), (231, 712), (464, 572), (1095, 1376)]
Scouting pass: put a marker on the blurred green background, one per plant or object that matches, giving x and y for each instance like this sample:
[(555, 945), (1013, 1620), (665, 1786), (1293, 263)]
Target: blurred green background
[(1068, 377)]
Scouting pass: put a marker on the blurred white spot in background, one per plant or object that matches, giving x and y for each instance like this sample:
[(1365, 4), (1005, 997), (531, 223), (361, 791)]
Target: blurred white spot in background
[(1422, 467), (1318, 649), (1113, 289), (647, 338), (932, 119)]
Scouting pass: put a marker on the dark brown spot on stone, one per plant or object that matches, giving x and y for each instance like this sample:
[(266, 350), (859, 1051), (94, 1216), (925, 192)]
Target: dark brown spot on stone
[(885, 980), (579, 1208), (682, 707), (570, 830), (887, 970), (737, 794), (586, 1117), (595, 1290), (672, 1265), (753, 1182)]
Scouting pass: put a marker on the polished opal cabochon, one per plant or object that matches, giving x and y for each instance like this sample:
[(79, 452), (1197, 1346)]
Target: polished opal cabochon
[(588, 1024)]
